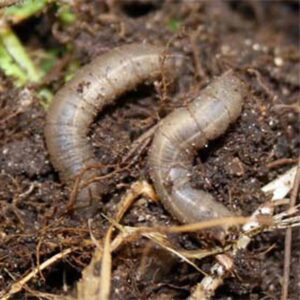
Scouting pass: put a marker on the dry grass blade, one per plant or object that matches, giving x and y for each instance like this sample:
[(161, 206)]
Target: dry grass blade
[(230, 221), (162, 241), (156, 235), (95, 284), (100, 289), (130, 233), (19, 285), (288, 239), (279, 188), (137, 189), (105, 277)]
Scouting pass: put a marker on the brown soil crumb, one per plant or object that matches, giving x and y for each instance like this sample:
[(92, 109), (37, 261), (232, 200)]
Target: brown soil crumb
[(260, 38)]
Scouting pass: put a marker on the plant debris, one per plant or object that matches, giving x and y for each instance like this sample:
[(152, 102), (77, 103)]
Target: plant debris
[(48, 253)]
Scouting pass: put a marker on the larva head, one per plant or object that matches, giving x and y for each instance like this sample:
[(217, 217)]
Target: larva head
[(230, 89)]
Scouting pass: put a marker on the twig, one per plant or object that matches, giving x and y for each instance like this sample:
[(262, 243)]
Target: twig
[(200, 72), (288, 239), (18, 286), (140, 143), (268, 90), (280, 162)]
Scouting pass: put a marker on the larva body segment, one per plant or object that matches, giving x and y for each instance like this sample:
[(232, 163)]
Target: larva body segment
[(178, 138), (75, 106)]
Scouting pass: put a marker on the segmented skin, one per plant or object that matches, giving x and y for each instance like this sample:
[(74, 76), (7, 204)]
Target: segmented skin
[(180, 135), (75, 106)]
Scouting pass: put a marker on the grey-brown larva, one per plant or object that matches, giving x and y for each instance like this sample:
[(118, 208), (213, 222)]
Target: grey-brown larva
[(180, 134), (75, 106)]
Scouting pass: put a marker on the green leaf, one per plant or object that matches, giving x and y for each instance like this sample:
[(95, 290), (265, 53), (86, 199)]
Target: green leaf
[(10, 68), (24, 10), (18, 53)]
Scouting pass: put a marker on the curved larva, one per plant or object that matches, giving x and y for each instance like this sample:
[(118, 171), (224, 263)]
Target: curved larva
[(75, 106), (180, 135)]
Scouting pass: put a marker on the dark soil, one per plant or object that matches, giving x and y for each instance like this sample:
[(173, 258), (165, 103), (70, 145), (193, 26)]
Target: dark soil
[(259, 38)]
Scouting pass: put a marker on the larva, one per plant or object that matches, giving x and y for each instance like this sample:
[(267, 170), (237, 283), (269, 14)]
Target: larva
[(180, 135), (75, 106)]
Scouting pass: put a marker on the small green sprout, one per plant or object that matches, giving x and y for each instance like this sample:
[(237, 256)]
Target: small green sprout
[(174, 24)]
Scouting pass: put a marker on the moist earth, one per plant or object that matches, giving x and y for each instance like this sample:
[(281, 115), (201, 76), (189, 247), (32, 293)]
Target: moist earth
[(260, 39)]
